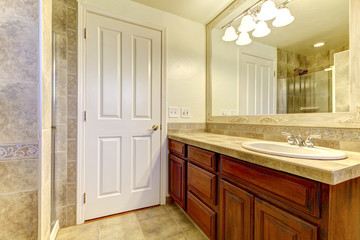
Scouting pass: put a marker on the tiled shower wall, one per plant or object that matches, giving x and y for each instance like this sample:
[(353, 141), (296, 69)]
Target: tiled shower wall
[(19, 84), (309, 90), (65, 28)]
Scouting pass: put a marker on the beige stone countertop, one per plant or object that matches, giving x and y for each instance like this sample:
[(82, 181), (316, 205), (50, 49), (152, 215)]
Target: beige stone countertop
[(326, 171)]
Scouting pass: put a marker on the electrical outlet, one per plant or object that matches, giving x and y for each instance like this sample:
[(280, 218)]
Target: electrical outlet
[(224, 112), (233, 112), (185, 112), (173, 112)]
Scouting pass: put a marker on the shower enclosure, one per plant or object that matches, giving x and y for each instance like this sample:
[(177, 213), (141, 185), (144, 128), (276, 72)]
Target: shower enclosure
[(306, 92)]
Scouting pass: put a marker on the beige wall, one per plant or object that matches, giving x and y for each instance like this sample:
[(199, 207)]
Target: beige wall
[(19, 119), (185, 54)]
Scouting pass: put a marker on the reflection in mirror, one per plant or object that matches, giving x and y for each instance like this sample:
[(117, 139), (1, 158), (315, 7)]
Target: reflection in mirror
[(283, 72)]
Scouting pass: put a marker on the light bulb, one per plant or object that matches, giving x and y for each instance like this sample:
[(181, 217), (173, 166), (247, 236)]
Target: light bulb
[(261, 30), (268, 11), (244, 39), (247, 24), (230, 34), (283, 18)]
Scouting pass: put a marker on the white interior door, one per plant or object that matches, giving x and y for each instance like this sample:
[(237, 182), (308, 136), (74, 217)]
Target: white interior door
[(257, 87), (122, 101)]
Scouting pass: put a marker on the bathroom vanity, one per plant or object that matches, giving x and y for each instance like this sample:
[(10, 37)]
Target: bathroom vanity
[(234, 193)]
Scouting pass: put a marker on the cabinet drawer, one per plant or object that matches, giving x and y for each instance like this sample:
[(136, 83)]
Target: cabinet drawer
[(297, 192), (202, 183), (177, 148), (202, 215), (202, 157)]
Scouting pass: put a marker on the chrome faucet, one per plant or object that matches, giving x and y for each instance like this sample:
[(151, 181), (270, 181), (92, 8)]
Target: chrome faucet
[(290, 138), (309, 143), (298, 140)]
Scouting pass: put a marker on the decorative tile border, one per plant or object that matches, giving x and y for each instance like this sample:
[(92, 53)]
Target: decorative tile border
[(19, 151)]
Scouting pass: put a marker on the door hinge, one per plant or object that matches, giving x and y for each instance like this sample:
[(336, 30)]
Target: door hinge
[(160, 126), (84, 116), (85, 33), (84, 197)]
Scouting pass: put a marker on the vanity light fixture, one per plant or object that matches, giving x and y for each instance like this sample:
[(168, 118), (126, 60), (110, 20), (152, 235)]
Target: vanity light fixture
[(247, 24), (319, 44), (244, 39), (268, 11), (253, 19), (283, 18), (230, 34), (261, 30)]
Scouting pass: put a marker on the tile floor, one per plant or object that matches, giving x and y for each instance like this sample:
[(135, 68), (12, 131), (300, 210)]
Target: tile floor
[(158, 223)]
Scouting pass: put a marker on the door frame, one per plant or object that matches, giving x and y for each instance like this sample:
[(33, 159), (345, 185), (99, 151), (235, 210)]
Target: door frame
[(83, 9)]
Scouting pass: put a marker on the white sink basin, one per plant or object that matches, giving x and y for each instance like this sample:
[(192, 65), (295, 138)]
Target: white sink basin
[(287, 150)]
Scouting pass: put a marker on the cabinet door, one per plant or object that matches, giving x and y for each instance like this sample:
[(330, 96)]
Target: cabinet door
[(272, 223), (236, 211), (177, 186)]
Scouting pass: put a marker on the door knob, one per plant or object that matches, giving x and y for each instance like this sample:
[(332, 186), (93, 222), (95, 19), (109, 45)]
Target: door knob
[(154, 128)]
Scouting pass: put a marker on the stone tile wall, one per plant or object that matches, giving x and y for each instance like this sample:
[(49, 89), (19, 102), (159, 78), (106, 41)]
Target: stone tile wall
[(19, 124), (337, 138), (65, 28), (309, 90)]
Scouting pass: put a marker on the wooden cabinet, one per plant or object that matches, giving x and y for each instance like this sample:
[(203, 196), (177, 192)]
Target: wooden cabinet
[(229, 198), (202, 215), (202, 183), (177, 177), (272, 223), (236, 213)]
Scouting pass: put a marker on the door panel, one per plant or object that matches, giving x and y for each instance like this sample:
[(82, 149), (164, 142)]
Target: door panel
[(110, 166), (177, 176), (258, 87), (142, 77), (272, 223), (110, 77), (236, 211), (122, 101)]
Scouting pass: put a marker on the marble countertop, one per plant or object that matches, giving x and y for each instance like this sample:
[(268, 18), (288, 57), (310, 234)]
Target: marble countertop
[(326, 171)]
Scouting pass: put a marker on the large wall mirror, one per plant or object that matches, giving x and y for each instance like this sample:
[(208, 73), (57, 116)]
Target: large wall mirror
[(283, 72)]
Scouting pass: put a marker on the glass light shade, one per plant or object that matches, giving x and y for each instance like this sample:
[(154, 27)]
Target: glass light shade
[(261, 29), (230, 34), (244, 39), (247, 24), (283, 18), (268, 11)]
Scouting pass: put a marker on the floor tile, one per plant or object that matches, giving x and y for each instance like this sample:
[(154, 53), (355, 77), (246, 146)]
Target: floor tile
[(150, 212), (160, 227), (88, 231), (180, 217), (171, 206), (195, 234), (121, 228)]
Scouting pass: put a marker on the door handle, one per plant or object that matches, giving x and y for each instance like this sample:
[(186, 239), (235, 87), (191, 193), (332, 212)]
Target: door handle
[(153, 128)]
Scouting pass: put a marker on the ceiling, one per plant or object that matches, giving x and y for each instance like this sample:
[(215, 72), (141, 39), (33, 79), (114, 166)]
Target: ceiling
[(315, 21), (202, 11)]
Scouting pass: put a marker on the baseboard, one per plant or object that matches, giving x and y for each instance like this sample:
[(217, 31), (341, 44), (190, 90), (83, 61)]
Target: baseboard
[(169, 200), (55, 230)]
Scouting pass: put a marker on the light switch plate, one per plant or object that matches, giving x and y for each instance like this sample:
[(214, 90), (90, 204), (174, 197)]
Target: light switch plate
[(185, 112), (173, 112)]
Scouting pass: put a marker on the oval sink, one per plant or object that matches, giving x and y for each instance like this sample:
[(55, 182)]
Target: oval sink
[(287, 150)]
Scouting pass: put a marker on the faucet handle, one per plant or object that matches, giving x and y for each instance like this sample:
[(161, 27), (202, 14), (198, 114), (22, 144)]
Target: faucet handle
[(309, 143), (290, 138)]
